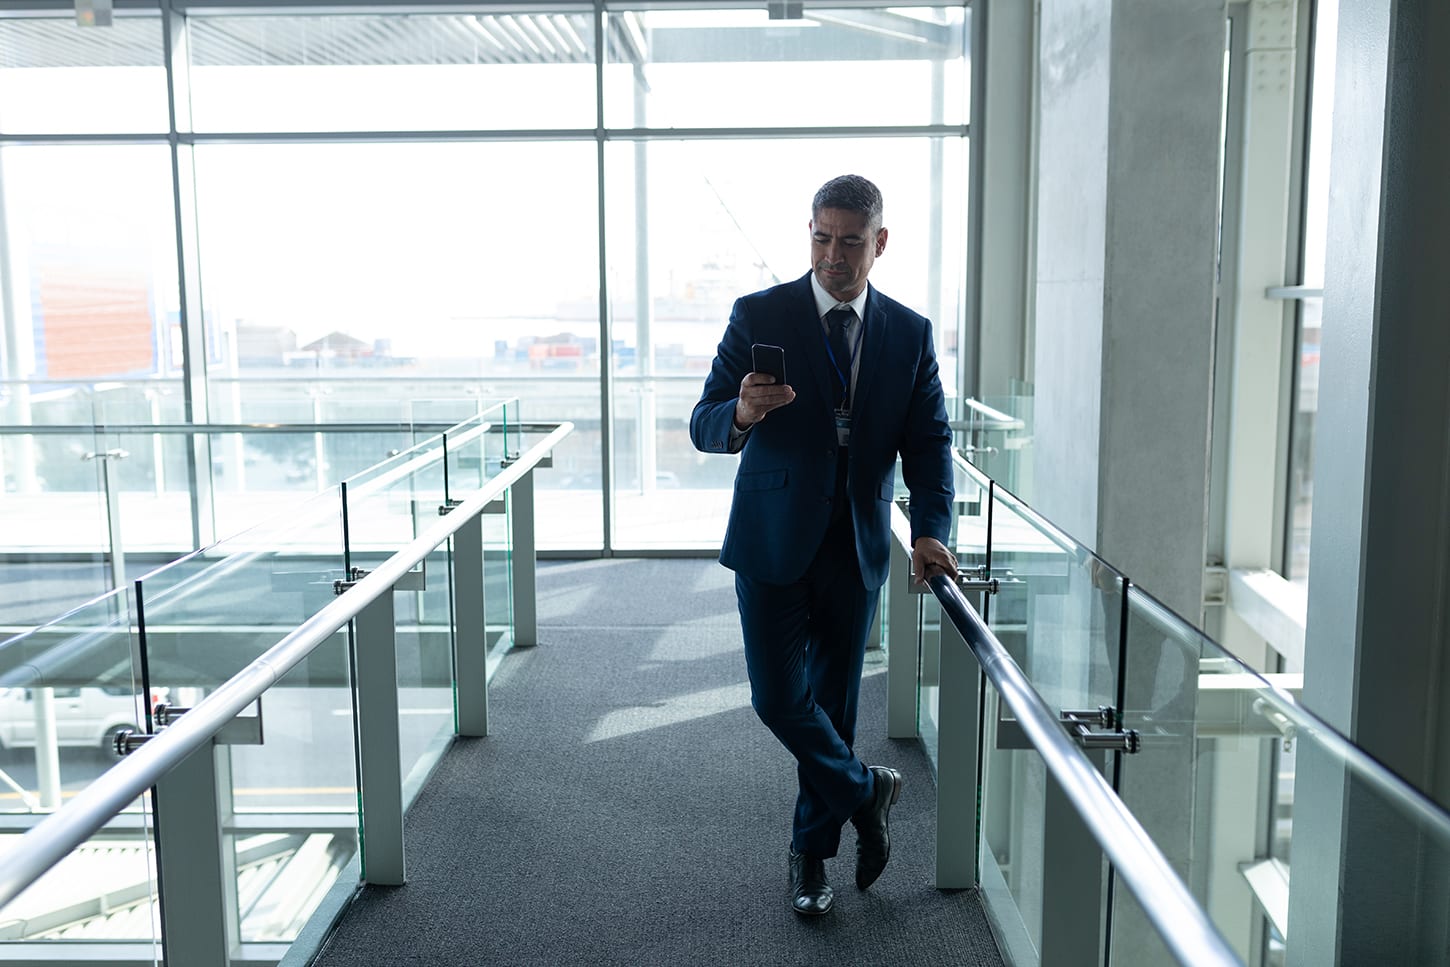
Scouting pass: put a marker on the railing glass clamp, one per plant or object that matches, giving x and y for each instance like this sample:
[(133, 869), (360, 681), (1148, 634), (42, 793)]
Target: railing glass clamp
[(977, 578), (1080, 725), (509, 459), (165, 714), (128, 741), (355, 575), (1103, 717), (445, 508)]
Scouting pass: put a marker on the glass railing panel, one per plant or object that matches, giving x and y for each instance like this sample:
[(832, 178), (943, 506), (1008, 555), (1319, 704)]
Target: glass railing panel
[(66, 689), (994, 433), (55, 493), (265, 469), (478, 445), (477, 451), (293, 821), (208, 615), (1057, 612), (387, 507), (1192, 727), (1013, 803), (149, 475), (54, 499), (928, 681), (969, 541), (211, 614), (1236, 781)]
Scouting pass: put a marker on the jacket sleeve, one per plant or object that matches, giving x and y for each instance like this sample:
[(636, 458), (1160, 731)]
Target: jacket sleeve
[(926, 450), (713, 419)]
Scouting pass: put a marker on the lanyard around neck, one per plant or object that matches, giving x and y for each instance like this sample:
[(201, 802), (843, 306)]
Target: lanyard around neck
[(855, 346)]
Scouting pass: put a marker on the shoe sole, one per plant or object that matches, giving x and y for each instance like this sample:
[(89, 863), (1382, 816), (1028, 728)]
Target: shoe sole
[(812, 913)]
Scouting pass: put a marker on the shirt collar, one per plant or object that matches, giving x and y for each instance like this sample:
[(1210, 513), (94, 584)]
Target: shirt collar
[(825, 302)]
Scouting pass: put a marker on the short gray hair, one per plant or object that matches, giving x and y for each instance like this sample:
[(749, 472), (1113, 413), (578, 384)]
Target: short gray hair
[(850, 193)]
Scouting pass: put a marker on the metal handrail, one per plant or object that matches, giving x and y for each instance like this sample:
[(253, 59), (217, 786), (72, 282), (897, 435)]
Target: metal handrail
[(991, 419), (53, 838), (1183, 925), (191, 429)]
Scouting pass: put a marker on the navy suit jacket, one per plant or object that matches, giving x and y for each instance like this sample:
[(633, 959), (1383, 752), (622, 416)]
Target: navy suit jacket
[(787, 473)]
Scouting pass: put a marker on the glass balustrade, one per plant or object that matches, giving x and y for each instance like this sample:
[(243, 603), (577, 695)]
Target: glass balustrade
[(67, 688), (478, 448), (969, 541), (1057, 612), (384, 509), (286, 770), (1224, 750), (1221, 753), (289, 806)]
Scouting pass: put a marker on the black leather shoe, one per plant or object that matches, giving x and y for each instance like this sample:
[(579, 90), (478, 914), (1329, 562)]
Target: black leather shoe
[(810, 894), (873, 835)]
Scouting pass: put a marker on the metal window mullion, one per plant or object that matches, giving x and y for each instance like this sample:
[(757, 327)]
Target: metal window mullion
[(606, 370), (380, 780), (183, 191)]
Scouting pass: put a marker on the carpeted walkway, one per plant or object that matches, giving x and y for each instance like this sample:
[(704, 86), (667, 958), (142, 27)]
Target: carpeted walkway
[(628, 808)]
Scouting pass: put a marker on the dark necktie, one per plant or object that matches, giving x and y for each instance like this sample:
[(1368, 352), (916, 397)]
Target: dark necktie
[(838, 319)]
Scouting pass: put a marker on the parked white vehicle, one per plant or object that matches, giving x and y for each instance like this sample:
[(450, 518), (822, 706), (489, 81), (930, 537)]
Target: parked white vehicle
[(86, 717)]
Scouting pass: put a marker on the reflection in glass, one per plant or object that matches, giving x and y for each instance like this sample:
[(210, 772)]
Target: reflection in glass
[(66, 689), (1058, 612)]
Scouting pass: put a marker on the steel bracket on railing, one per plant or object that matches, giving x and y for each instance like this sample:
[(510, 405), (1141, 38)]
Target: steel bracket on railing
[(241, 730), (414, 580), (164, 714), (971, 579), (1081, 723), (127, 741), (545, 462), (977, 579), (446, 508)]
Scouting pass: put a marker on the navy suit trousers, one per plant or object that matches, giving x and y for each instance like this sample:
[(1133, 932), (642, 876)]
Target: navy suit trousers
[(805, 644)]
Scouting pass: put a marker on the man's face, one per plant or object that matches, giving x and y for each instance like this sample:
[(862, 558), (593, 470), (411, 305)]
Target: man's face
[(843, 249)]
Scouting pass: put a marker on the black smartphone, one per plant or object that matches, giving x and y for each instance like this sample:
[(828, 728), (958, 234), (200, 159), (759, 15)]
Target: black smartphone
[(769, 360)]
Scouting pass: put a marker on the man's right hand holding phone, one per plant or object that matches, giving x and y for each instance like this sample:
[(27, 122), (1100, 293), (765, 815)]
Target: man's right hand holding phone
[(758, 396)]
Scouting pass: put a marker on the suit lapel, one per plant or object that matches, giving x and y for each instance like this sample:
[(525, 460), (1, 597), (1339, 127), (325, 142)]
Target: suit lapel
[(873, 344)]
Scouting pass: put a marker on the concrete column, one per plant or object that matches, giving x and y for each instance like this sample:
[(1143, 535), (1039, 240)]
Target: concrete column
[(1363, 889), (1130, 137), (998, 259)]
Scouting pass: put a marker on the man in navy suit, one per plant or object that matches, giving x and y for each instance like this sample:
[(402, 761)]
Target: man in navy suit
[(809, 532)]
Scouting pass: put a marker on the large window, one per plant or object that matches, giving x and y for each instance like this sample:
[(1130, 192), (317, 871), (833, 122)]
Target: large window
[(1311, 308), (398, 217)]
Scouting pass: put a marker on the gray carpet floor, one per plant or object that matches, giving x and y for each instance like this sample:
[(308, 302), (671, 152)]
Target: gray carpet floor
[(628, 808)]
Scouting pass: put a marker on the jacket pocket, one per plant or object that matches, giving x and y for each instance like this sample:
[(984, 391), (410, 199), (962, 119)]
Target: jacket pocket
[(887, 490), (760, 480)]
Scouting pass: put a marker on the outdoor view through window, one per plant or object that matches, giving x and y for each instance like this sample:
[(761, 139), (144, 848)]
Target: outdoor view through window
[(394, 217)]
